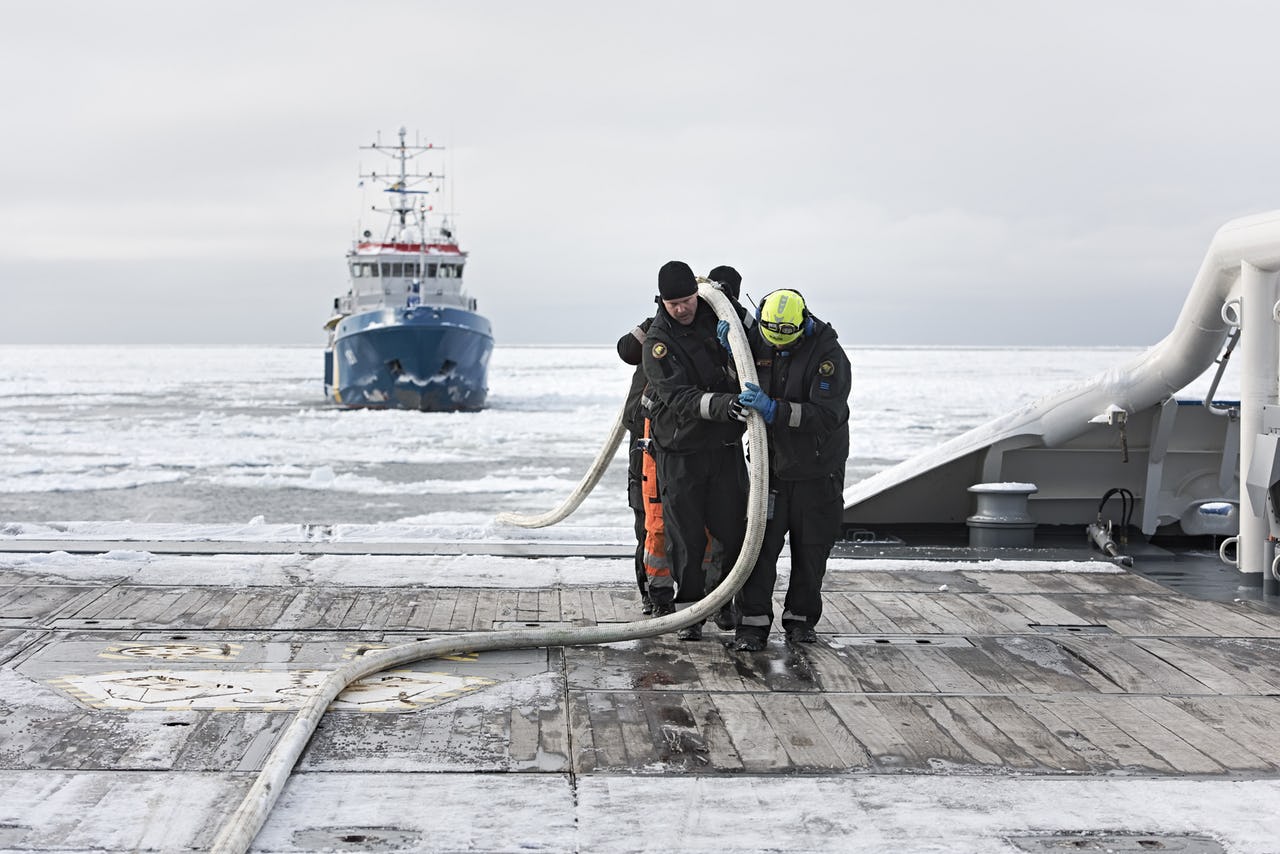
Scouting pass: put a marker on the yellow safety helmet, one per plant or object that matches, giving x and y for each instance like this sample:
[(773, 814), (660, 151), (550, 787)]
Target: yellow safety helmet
[(782, 317)]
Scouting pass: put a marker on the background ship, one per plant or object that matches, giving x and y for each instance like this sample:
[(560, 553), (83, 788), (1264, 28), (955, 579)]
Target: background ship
[(407, 335)]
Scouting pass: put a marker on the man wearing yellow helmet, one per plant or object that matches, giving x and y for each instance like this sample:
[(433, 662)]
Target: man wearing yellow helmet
[(803, 397)]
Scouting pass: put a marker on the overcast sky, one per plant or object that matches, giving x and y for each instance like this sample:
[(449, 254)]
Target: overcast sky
[(925, 172)]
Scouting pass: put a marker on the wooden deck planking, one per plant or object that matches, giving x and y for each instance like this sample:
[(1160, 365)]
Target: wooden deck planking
[(944, 621), (1042, 664), (464, 612), (891, 669), (633, 716), (802, 739), (1219, 747), (1133, 669), (931, 741), (1125, 750), (673, 733), (606, 730), (717, 670), (986, 744), (1030, 610), (1249, 720), (584, 756), (752, 735), (898, 608), (984, 615), (1020, 583), (850, 753), (710, 723), (887, 744), (1178, 701), (877, 621), (1135, 615), (442, 612), (1148, 732), (1046, 713), (940, 670), (831, 669), (486, 612), (267, 605), (989, 664), (1192, 661), (602, 605), (1030, 734), (843, 616), (1223, 620)]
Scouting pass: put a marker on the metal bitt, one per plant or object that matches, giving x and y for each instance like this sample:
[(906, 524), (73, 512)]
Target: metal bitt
[(1259, 426), (1002, 519)]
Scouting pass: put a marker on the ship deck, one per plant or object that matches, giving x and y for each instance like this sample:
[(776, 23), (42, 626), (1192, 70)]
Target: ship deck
[(950, 705)]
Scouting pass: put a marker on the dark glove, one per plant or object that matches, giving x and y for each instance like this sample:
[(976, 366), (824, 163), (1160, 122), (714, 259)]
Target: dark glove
[(755, 398), (737, 411), (722, 335)]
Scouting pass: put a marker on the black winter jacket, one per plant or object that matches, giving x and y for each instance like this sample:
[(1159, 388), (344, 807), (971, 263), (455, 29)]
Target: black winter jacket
[(690, 384), (811, 380)]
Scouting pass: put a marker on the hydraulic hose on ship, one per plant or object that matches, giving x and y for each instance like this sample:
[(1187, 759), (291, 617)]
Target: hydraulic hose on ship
[(238, 833)]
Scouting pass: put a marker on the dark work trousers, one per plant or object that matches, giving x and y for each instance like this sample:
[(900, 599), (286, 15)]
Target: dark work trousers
[(811, 511), (642, 578), (635, 500), (702, 492)]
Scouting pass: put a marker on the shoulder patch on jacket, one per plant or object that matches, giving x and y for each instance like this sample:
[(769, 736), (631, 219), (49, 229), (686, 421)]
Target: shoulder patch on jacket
[(827, 368), (659, 350)]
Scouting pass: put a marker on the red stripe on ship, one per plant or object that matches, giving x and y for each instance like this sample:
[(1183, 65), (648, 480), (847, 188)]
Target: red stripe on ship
[(442, 248)]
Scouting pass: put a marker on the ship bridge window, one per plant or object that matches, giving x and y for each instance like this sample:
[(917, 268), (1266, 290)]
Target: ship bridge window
[(370, 269), (386, 268), (412, 269), (397, 270), (431, 271), (357, 271)]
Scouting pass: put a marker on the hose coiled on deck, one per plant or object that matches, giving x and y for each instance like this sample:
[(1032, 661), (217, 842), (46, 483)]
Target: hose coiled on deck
[(238, 832)]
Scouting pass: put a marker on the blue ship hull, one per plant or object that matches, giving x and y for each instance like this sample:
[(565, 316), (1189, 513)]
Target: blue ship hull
[(426, 358)]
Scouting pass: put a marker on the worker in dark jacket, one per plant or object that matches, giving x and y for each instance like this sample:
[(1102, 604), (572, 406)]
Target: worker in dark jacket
[(696, 424), (730, 282), (803, 397), (630, 350)]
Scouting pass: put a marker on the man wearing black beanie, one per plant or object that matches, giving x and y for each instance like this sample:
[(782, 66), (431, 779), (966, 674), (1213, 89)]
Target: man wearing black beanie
[(697, 425), (729, 279)]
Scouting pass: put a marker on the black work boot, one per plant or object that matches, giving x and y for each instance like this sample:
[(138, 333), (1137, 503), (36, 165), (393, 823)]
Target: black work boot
[(646, 604), (661, 609), (727, 617), (800, 633), (750, 638), (690, 633)]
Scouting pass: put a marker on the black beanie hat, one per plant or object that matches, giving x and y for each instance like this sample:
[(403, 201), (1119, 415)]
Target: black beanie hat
[(728, 277), (676, 281)]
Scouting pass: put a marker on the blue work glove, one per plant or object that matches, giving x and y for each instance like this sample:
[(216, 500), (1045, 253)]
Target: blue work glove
[(722, 335), (755, 398)]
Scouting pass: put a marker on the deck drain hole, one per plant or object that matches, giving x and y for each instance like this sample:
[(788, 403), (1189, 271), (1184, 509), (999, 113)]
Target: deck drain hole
[(1071, 628), (357, 839)]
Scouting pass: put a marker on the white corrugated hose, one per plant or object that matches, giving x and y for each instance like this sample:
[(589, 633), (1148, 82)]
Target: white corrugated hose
[(238, 833)]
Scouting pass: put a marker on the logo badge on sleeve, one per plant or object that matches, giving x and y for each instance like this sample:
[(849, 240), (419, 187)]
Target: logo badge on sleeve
[(826, 369), (659, 350)]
